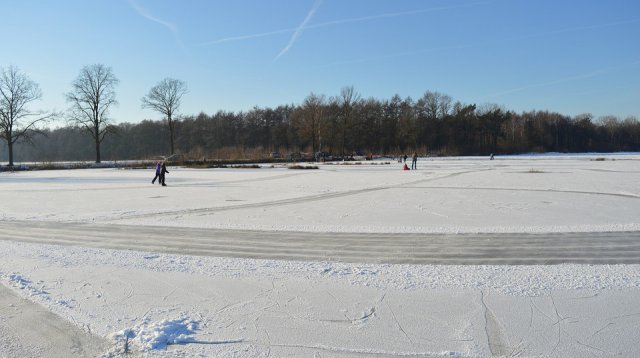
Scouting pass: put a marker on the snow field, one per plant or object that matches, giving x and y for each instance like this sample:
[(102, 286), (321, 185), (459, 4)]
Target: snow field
[(166, 305)]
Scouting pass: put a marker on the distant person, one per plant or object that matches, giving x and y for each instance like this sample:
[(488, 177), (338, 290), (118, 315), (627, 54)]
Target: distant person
[(414, 161), (163, 171), (491, 156), (405, 158), (158, 168)]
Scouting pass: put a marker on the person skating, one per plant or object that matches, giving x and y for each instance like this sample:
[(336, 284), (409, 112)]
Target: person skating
[(163, 171), (158, 167), (414, 161)]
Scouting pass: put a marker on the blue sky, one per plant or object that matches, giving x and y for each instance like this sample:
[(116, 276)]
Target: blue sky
[(569, 56)]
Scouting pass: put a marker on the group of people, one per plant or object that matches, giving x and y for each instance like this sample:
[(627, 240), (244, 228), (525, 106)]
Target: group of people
[(414, 161), (161, 170)]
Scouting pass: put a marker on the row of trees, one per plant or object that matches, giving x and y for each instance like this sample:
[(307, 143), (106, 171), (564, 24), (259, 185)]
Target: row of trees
[(92, 94), (431, 125), (340, 125)]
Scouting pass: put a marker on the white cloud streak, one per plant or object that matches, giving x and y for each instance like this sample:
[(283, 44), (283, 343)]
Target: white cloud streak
[(395, 14), (549, 83), (247, 37), (339, 22), (299, 30), (578, 29), (400, 54), (147, 15), (578, 77), (484, 43)]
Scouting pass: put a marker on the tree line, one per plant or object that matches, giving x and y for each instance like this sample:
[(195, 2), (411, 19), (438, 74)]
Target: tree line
[(91, 96), (434, 124)]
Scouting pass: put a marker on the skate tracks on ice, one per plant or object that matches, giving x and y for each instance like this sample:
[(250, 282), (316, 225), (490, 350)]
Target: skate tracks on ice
[(455, 249)]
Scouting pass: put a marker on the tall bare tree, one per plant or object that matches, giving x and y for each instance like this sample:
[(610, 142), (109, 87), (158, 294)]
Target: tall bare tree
[(17, 91), (92, 93), (349, 97), (313, 110), (165, 98)]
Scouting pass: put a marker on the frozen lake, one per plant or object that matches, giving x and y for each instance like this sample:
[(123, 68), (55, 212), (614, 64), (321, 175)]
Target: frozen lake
[(455, 195), (345, 260)]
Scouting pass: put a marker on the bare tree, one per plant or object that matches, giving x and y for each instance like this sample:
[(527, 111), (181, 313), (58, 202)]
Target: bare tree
[(435, 105), (165, 98), (91, 96), (16, 120), (313, 113), (349, 97)]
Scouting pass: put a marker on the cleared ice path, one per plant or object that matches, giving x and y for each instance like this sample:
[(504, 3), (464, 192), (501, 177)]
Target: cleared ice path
[(459, 249), (30, 330)]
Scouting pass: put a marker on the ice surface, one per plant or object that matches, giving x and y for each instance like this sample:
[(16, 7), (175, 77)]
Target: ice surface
[(178, 305)]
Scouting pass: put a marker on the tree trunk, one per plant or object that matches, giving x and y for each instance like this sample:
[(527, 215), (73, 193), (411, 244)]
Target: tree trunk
[(171, 134), (344, 136), (10, 144), (96, 133), (171, 127), (97, 151), (97, 138)]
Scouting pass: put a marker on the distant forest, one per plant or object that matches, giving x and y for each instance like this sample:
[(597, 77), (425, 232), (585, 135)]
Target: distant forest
[(342, 125)]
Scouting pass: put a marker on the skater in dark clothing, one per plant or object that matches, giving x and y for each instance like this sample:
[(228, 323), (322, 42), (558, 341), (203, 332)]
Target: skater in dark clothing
[(405, 158), (163, 171), (414, 161), (158, 167)]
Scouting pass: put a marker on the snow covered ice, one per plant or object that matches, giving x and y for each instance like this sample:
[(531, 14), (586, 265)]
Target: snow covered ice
[(88, 246)]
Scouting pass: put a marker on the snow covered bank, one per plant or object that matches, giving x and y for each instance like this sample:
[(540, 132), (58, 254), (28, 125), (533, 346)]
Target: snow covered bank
[(159, 303)]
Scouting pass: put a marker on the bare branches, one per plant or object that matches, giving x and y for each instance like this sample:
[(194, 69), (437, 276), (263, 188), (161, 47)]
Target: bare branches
[(349, 97), (17, 91), (91, 96), (313, 110), (165, 98)]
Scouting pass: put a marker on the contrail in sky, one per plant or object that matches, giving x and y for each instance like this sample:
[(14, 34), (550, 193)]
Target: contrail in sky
[(298, 31), (482, 43), (147, 15), (550, 83), (340, 22), (247, 37), (580, 28), (395, 14), (582, 76), (401, 54)]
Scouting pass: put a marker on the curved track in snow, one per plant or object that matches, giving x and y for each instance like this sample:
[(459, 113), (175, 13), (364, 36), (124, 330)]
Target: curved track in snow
[(29, 330), (459, 249)]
